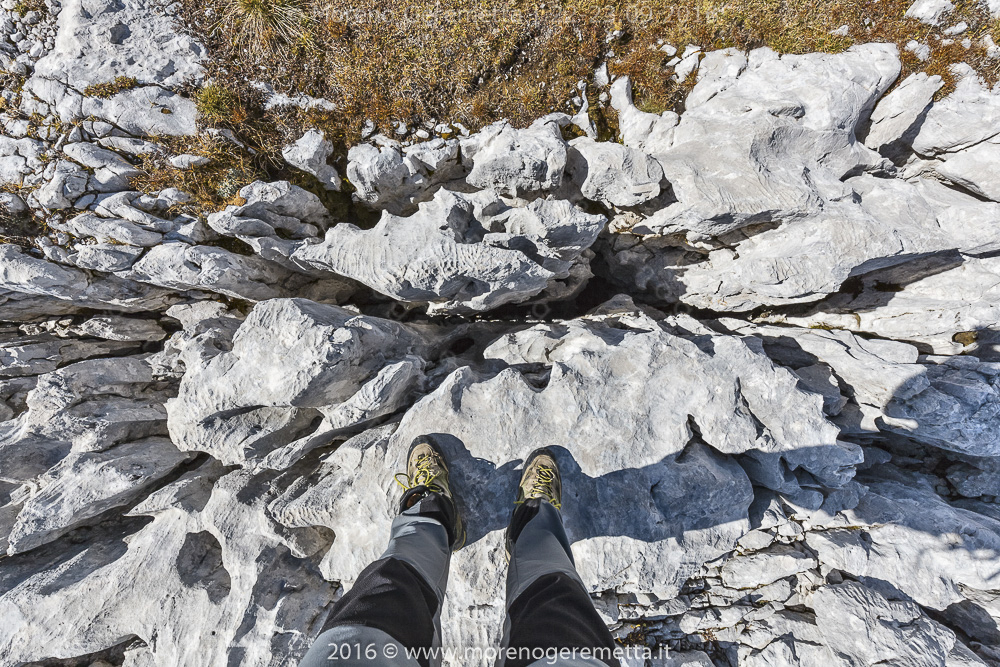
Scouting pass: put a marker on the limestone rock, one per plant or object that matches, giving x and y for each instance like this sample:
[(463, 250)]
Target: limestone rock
[(765, 568), (89, 405), (105, 230), (390, 177), (868, 629), (947, 402), (179, 266), (312, 356), (946, 305), (770, 119), (86, 484), (907, 542), (462, 253), (898, 114), (310, 154), (227, 564), (22, 275), (613, 174), (929, 11), (516, 162), (270, 207)]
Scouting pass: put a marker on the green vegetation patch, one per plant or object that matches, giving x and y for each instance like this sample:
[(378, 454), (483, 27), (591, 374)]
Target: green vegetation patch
[(109, 89)]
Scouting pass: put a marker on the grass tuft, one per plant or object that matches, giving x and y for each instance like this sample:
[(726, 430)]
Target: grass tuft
[(22, 7), (258, 25), (219, 105)]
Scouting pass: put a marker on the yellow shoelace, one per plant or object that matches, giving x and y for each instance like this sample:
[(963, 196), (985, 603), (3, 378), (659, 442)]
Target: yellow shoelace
[(424, 477), (542, 488)]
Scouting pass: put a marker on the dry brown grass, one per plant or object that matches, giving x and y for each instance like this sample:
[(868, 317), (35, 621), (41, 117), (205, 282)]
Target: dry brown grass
[(213, 185), (476, 62), (109, 89)]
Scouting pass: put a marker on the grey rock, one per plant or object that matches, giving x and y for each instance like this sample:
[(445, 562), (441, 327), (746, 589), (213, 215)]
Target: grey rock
[(382, 177), (966, 117), (12, 204), (516, 162), (188, 161), (25, 277), (108, 230), (270, 207), (104, 257), (866, 628), (613, 174), (34, 356), (898, 113), (765, 568), (461, 253), (201, 559), (310, 154), (179, 266), (67, 184), (947, 305), (772, 119), (929, 11), (893, 223), (980, 478), (116, 327), (87, 406), (85, 485), (639, 129), (903, 537), (316, 359), (947, 402), (140, 41)]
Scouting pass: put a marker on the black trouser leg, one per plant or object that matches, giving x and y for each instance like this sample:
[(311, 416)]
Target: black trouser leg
[(551, 609), (400, 594)]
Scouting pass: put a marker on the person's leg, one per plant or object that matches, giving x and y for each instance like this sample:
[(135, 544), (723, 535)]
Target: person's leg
[(548, 607), (393, 610)]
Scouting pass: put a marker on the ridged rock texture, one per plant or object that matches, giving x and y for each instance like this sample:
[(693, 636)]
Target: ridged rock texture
[(760, 336)]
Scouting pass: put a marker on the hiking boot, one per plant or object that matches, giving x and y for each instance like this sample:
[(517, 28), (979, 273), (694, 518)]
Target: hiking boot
[(540, 480), (427, 472)]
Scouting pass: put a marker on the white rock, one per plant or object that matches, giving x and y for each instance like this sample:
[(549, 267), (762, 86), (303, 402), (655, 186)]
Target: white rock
[(929, 11), (641, 130), (108, 230), (868, 629), (463, 253), (940, 301), (897, 113), (178, 266), (188, 161), (516, 162), (104, 257), (23, 275), (770, 119), (310, 154), (613, 174), (764, 568), (85, 485), (312, 358), (913, 541)]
